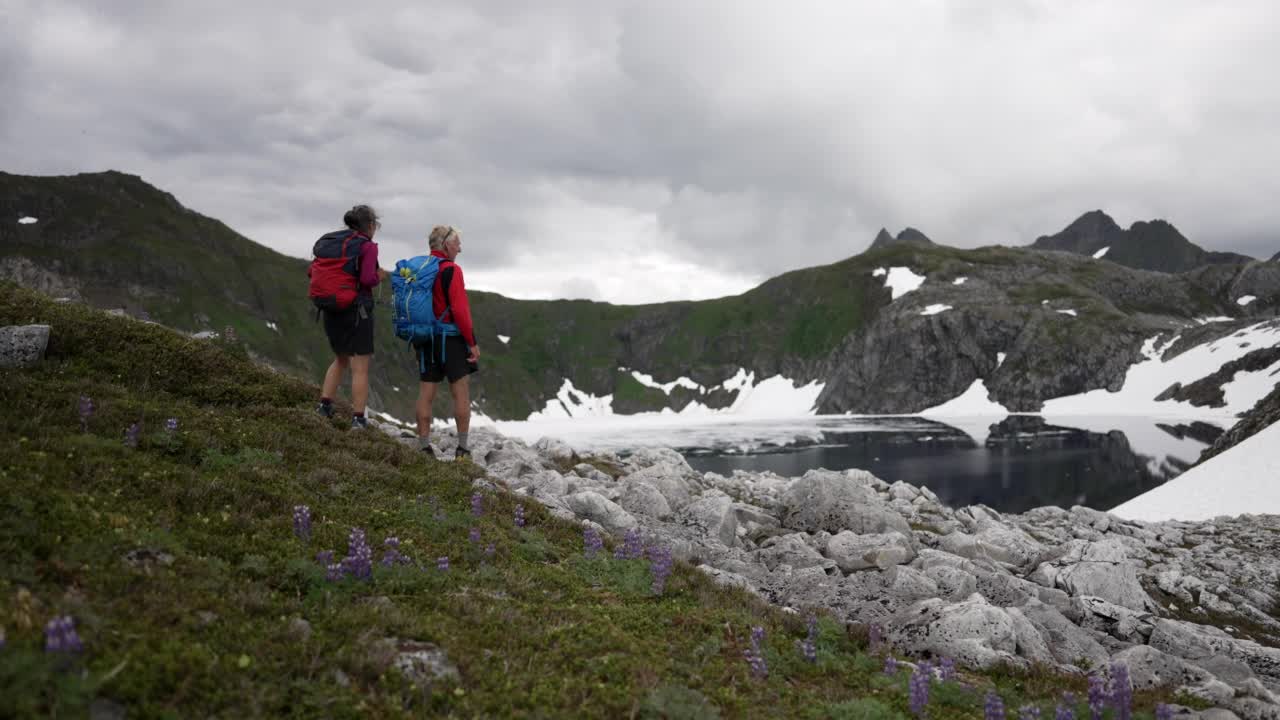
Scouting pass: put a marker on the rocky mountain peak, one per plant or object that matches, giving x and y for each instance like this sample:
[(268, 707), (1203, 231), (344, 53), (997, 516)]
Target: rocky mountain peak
[(908, 236)]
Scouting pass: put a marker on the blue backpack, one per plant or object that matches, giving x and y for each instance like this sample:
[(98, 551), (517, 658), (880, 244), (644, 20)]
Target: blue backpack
[(412, 283)]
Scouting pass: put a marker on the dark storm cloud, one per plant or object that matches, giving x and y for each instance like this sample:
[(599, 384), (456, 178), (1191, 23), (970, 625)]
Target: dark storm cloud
[(579, 145)]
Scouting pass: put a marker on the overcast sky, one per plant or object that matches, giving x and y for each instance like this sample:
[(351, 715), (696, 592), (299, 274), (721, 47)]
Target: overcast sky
[(655, 150)]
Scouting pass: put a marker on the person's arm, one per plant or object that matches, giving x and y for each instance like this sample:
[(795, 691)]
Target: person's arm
[(460, 309), (370, 275)]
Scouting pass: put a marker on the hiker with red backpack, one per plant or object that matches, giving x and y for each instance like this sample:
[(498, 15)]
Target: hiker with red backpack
[(432, 313), (343, 275)]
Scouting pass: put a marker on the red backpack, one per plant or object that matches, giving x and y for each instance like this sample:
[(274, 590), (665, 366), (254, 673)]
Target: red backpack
[(335, 271)]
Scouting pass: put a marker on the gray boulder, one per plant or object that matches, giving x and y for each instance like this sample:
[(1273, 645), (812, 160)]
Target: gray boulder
[(974, 632), (1000, 543), (597, 508), (23, 346), (713, 516), (852, 551), (793, 550), (953, 583), (1069, 643), (839, 502), (554, 448), (642, 498), (668, 480), (1102, 569)]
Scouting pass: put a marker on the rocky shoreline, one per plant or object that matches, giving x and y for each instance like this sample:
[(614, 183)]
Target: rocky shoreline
[(1187, 605)]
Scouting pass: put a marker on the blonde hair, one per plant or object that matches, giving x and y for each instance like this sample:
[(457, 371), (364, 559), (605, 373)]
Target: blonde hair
[(440, 234)]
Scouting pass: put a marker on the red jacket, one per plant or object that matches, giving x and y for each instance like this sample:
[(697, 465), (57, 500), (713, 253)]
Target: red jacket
[(459, 310)]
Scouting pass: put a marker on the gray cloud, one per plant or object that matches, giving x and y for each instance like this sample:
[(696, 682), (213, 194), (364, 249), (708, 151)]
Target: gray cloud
[(737, 140)]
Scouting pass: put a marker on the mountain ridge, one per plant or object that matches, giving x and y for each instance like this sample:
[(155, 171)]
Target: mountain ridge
[(1146, 245)]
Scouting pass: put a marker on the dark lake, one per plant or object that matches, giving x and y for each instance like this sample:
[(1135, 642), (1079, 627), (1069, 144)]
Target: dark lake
[(1023, 462)]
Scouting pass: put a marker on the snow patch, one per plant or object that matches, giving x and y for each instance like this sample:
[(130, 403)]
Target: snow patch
[(1072, 313), (878, 272), (1245, 300), (571, 402), (901, 280), (273, 326), (1206, 320), (973, 411), (959, 281), (1240, 480), (935, 309), (504, 339), (666, 388), (1152, 376), (1000, 358), (27, 220), (1101, 252)]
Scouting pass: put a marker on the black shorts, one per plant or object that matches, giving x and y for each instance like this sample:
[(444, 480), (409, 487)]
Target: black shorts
[(350, 331), (455, 365)]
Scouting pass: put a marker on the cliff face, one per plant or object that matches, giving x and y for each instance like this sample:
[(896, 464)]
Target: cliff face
[(114, 241)]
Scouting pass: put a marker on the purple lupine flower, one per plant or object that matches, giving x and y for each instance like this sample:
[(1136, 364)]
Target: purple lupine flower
[(592, 542), (359, 560), (520, 516), (890, 665), (1065, 712), (947, 669), (171, 425), (809, 647), (86, 412), (131, 435), (474, 535), (755, 654), (60, 636), (333, 571), (1121, 691), (660, 567), (631, 548), (1097, 697), (994, 709), (875, 636), (919, 686), (1164, 712), (442, 563), (477, 504), (1029, 712), (324, 558), (302, 522), (490, 549), (391, 555)]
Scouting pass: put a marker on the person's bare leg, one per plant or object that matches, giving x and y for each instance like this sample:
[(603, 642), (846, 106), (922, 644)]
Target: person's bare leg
[(359, 382), (461, 391), (333, 376), (426, 396)]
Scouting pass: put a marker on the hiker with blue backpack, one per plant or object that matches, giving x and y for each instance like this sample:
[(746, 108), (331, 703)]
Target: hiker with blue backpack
[(433, 315), (343, 275)]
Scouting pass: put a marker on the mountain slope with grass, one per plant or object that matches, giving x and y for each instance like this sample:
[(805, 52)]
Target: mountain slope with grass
[(113, 241), (170, 572)]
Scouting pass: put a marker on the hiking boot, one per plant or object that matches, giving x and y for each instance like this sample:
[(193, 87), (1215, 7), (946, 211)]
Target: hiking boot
[(461, 453), (325, 409), (359, 423), (430, 452)]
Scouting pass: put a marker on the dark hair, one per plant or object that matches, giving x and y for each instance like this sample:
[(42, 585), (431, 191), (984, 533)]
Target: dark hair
[(362, 218)]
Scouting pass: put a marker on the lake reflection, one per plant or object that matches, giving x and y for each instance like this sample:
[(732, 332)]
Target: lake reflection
[(1023, 462)]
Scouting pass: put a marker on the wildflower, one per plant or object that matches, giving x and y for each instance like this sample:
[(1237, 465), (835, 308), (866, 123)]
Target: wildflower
[(171, 425), (60, 636), (947, 670), (391, 556), (474, 535), (1029, 712), (477, 504), (86, 412), (1121, 692), (1164, 712), (1097, 697), (302, 522), (131, 435), (324, 558), (919, 687), (809, 646), (890, 665), (591, 539), (994, 709), (520, 516), (334, 571), (875, 636), (442, 563), (359, 560), (631, 547), (660, 567), (490, 549), (1065, 712), (755, 655)]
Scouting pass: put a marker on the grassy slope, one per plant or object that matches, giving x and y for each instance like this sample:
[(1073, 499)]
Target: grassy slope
[(536, 631)]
